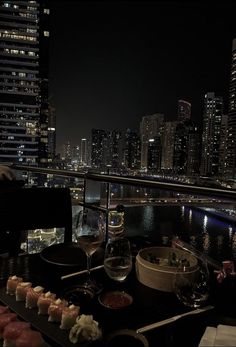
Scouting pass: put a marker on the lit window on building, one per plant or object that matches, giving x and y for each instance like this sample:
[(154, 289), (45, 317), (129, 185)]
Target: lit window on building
[(46, 33), (46, 11)]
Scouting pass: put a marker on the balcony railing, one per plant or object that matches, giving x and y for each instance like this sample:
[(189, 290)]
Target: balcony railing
[(150, 199)]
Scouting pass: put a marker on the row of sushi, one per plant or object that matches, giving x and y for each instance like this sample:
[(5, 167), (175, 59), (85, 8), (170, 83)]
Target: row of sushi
[(46, 303), (17, 333), (82, 327)]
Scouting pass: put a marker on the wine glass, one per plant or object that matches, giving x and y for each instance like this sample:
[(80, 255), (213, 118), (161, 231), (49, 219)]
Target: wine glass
[(191, 284), (89, 234), (118, 259)]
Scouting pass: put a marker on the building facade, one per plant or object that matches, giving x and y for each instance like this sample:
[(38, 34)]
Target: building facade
[(154, 155), (84, 152), (24, 108), (132, 150), (150, 127), (98, 148), (168, 146), (184, 110), (231, 142), (212, 115)]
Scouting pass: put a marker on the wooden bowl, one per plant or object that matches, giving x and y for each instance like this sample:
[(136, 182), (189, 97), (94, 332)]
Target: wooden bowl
[(156, 268)]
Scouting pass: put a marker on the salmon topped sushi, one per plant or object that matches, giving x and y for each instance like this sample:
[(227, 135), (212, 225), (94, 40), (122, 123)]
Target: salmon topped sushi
[(21, 290), (5, 319), (55, 310), (32, 296), (12, 283), (30, 338), (44, 301), (12, 331), (4, 309), (69, 315)]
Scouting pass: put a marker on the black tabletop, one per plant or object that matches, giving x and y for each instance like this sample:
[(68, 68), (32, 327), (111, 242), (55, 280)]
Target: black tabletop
[(148, 306)]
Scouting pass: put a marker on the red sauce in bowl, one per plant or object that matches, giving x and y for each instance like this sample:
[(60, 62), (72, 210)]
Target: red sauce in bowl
[(115, 300)]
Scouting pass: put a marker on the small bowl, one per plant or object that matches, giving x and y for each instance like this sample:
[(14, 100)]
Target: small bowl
[(126, 337), (115, 300)]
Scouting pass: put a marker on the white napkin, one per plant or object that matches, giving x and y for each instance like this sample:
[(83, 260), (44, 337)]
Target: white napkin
[(223, 335), (208, 338)]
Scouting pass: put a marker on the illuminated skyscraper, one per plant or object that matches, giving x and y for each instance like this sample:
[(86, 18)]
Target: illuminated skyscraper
[(154, 155), (231, 142), (168, 145), (51, 133), (99, 148), (212, 115), (223, 145), (150, 127), (83, 152), (185, 155), (24, 108), (132, 152), (184, 110)]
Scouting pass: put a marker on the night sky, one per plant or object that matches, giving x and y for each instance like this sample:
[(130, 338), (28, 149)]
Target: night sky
[(111, 62)]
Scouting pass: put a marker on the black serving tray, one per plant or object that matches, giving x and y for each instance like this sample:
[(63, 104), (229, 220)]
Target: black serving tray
[(51, 332)]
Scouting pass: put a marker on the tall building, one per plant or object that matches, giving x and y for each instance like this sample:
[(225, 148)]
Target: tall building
[(51, 133), (184, 110), (231, 143), (154, 155), (193, 151), (24, 107), (99, 149), (212, 114), (185, 143), (84, 152), (114, 147), (168, 145), (132, 150), (150, 127), (223, 145), (67, 151)]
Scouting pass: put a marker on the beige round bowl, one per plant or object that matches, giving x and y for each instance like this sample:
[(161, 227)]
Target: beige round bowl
[(161, 276)]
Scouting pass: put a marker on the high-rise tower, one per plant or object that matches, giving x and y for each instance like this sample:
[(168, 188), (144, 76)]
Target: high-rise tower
[(150, 127), (24, 108), (84, 152), (231, 143), (132, 153), (212, 115), (184, 110)]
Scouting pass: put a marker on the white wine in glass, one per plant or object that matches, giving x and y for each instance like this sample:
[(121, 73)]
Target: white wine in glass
[(118, 259), (89, 234)]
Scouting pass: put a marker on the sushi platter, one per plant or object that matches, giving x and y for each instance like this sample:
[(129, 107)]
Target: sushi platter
[(53, 335)]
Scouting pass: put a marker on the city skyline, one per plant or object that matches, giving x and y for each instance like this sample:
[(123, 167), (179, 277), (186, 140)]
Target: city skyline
[(116, 67)]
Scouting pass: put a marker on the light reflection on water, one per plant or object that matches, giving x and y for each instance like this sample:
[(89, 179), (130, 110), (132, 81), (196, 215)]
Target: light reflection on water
[(210, 235)]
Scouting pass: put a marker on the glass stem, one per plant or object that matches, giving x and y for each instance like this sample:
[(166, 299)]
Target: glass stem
[(89, 265)]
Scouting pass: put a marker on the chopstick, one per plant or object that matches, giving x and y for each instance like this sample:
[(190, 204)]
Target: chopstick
[(172, 319), (81, 272)]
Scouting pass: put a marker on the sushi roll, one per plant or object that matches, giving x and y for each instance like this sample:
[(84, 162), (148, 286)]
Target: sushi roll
[(12, 283), (69, 315), (4, 309), (44, 301), (12, 331), (21, 290), (30, 338), (5, 319), (55, 310), (32, 296)]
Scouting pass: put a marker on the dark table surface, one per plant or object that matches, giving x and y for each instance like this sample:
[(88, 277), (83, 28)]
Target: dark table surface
[(148, 306)]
